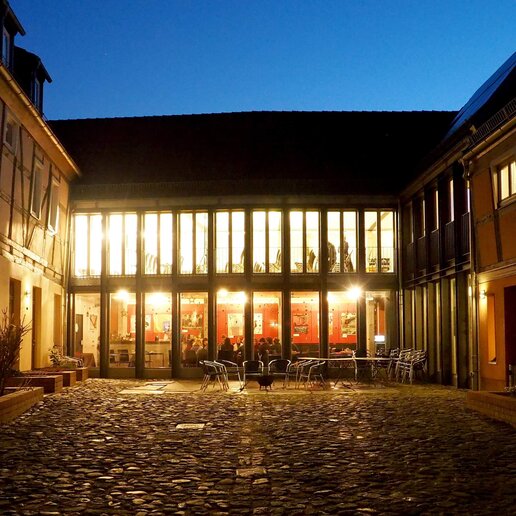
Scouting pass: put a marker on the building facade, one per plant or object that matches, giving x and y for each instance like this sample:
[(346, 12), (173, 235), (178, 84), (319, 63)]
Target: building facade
[(35, 174)]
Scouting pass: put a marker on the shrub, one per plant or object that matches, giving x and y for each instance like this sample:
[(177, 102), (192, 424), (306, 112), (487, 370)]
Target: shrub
[(11, 336)]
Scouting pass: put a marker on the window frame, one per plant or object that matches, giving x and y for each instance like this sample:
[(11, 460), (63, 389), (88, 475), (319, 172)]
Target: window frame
[(510, 164), (36, 186), (11, 144), (53, 205)]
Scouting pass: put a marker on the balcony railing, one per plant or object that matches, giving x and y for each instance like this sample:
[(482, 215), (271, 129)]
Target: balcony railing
[(421, 253), (434, 248)]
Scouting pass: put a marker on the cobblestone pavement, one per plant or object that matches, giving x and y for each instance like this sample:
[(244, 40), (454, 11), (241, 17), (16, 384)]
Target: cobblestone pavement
[(399, 450)]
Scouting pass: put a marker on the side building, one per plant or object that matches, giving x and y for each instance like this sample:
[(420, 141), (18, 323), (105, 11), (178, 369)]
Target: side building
[(35, 173), (458, 227)]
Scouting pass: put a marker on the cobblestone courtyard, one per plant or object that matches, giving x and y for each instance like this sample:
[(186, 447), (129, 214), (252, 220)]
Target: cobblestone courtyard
[(399, 450)]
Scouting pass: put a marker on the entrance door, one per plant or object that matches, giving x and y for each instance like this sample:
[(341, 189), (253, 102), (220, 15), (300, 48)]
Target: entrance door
[(36, 327), (510, 327)]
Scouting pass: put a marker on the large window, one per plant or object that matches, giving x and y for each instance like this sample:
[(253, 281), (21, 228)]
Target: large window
[(304, 241), (378, 305), (342, 322), (266, 241), (122, 233), (506, 180), (194, 327), (87, 328), (193, 243), (230, 325), (87, 245), (158, 329), (305, 324), (157, 243), (230, 241), (267, 325), (342, 241), (122, 329), (379, 241)]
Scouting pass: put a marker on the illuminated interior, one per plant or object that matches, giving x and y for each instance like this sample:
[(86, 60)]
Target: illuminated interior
[(122, 329), (158, 329), (267, 323), (304, 308), (342, 323), (194, 328)]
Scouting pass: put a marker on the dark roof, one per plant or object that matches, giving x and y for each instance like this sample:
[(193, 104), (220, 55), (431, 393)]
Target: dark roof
[(26, 65), (492, 96), (255, 152)]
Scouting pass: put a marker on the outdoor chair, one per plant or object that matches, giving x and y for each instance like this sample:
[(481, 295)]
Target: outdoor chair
[(415, 362), (213, 373), (312, 374), (292, 372), (278, 369), (232, 369), (252, 369), (364, 370), (303, 372), (403, 356)]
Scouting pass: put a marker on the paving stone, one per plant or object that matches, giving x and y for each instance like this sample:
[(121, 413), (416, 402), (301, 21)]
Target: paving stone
[(397, 450)]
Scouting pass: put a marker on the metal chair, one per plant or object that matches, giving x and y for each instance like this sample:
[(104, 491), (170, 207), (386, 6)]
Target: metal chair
[(278, 369), (252, 369), (231, 369), (213, 373), (312, 374)]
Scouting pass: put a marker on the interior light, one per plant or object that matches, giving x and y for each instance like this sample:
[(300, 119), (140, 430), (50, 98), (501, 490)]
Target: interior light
[(355, 292), (122, 295), (483, 294), (222, 292)]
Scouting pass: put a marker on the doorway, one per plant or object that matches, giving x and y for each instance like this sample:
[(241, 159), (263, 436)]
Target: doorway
[(36, 327), (510, 328)]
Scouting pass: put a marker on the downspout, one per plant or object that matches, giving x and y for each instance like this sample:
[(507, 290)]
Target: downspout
[(475, 371)]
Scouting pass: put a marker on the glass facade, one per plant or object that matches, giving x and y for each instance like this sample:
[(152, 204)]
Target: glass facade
[(173, 310)]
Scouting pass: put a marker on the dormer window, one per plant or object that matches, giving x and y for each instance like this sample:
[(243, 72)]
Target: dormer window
[(36, 94), (6, 48)]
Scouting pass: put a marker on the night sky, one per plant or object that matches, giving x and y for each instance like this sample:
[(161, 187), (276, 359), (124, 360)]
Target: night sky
[(154, 57)]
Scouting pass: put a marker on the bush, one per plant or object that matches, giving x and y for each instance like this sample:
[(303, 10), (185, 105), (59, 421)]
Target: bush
[(11, 336)]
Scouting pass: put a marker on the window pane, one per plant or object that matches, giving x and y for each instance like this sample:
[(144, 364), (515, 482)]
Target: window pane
[(513, 177), (115, 245), (267, 325), (387, 241), (342, 323), (158, 325), (305, 323), (349, 241), (259, 241), (296, 241), (95, 244), (334, 241), (371, 241), (53, 209), (186, 243), (194, 328), (130, 243), (166, 236), (122, 329), (201, 243), (377, 304), (87, 328), (222, 241), (274, 241), (312, 241), (151, 243), (230, 325), (81, 245), (436, 209), (451, 201), (238, 241)]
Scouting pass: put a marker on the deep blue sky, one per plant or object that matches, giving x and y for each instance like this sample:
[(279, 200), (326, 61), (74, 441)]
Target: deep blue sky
[(154, 57)]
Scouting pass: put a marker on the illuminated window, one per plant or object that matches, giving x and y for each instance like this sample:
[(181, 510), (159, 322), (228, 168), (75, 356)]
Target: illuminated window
[(379, 241), (342, 323), (267, 324), (506, 180), (11, 133), (122, 329), (87, 245), (451, 201), (158, 330), (305, 323), (230, 241), (378, 305), (122, 234), (230, 323), (194, 327), (304, 241), (157, 243), (193, 243), (436, 209), (342, 241), (87, 328), (266, 241), (53, 206)]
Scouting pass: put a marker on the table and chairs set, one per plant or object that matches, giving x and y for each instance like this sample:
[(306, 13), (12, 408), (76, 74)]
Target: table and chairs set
[(315, 372)]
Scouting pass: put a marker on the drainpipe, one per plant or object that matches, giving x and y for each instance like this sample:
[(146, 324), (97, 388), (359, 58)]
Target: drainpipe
[(474, 346)]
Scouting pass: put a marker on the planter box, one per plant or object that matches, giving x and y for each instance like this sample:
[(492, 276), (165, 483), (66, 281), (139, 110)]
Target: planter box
[(50, 383), (69, 377), (15, 402), (497, 405), (82, 374)]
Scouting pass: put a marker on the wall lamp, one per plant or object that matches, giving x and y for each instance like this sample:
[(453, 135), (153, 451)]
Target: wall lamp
[(483, 294), (26, 297)]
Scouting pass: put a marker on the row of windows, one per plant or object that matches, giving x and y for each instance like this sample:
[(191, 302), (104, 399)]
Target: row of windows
[(159, 247), (506, 180)]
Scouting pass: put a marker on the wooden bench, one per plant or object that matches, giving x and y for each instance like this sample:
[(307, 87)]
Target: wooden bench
[(50, 383), (69, 376)]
